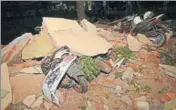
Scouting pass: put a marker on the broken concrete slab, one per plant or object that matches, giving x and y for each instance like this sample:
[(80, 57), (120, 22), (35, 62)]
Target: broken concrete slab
[(133, 43), (106, 35), (18, 67), (37, 102), (76, 38), (55, 24), (89, 27), (169, 35), (143, 39), (128, 74), (29, 100), (13, 48), (5, 85), (79, 42), (31, 84), (32, 70), (169, 70), (39, 47)]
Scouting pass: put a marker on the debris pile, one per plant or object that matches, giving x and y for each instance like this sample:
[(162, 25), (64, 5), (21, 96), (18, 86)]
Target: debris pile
[(127, 71)]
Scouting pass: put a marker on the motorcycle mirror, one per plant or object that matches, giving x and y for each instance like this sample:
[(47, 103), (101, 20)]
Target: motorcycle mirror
[(159, 16)]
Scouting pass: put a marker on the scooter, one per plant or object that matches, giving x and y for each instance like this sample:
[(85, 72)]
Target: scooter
[(62, 63)]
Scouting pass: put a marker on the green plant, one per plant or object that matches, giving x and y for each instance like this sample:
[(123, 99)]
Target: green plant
[(143, 88), (167, 58), (124, 52), (162, 91), (90, 67)]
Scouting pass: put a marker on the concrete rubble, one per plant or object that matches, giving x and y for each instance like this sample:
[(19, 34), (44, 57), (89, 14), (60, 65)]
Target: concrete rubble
[(142, 105), (133, 43), (38, 48), (31, 70), (169, 70), (5, 87), (29, 100), (128, 74), (22, 81), (127, 100), (89, 27), (75, 37), (143, 39), (140, 83), (10, 51)]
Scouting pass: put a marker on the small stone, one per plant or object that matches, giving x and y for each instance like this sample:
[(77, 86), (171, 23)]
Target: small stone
[(142, 98), (105, 107), (38, 102), (118, 88), (29, 100), (89, 104), (143, 105), (111, 77), (127, 100), (128, 74)]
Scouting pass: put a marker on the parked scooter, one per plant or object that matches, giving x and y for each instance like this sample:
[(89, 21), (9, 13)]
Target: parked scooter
[(62, 64)]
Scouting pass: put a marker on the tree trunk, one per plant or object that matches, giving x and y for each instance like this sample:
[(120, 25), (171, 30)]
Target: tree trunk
[(80, 10)]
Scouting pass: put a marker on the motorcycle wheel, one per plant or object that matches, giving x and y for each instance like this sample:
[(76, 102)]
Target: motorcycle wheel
[(160, 39), (81, 85)]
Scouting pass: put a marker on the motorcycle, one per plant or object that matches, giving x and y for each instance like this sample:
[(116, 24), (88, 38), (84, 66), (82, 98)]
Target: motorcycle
[(153, 28), (62, 63)]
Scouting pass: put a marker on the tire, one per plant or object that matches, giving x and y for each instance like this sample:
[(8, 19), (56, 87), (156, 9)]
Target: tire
[(81, 85), (45, 65), (162, 38)]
